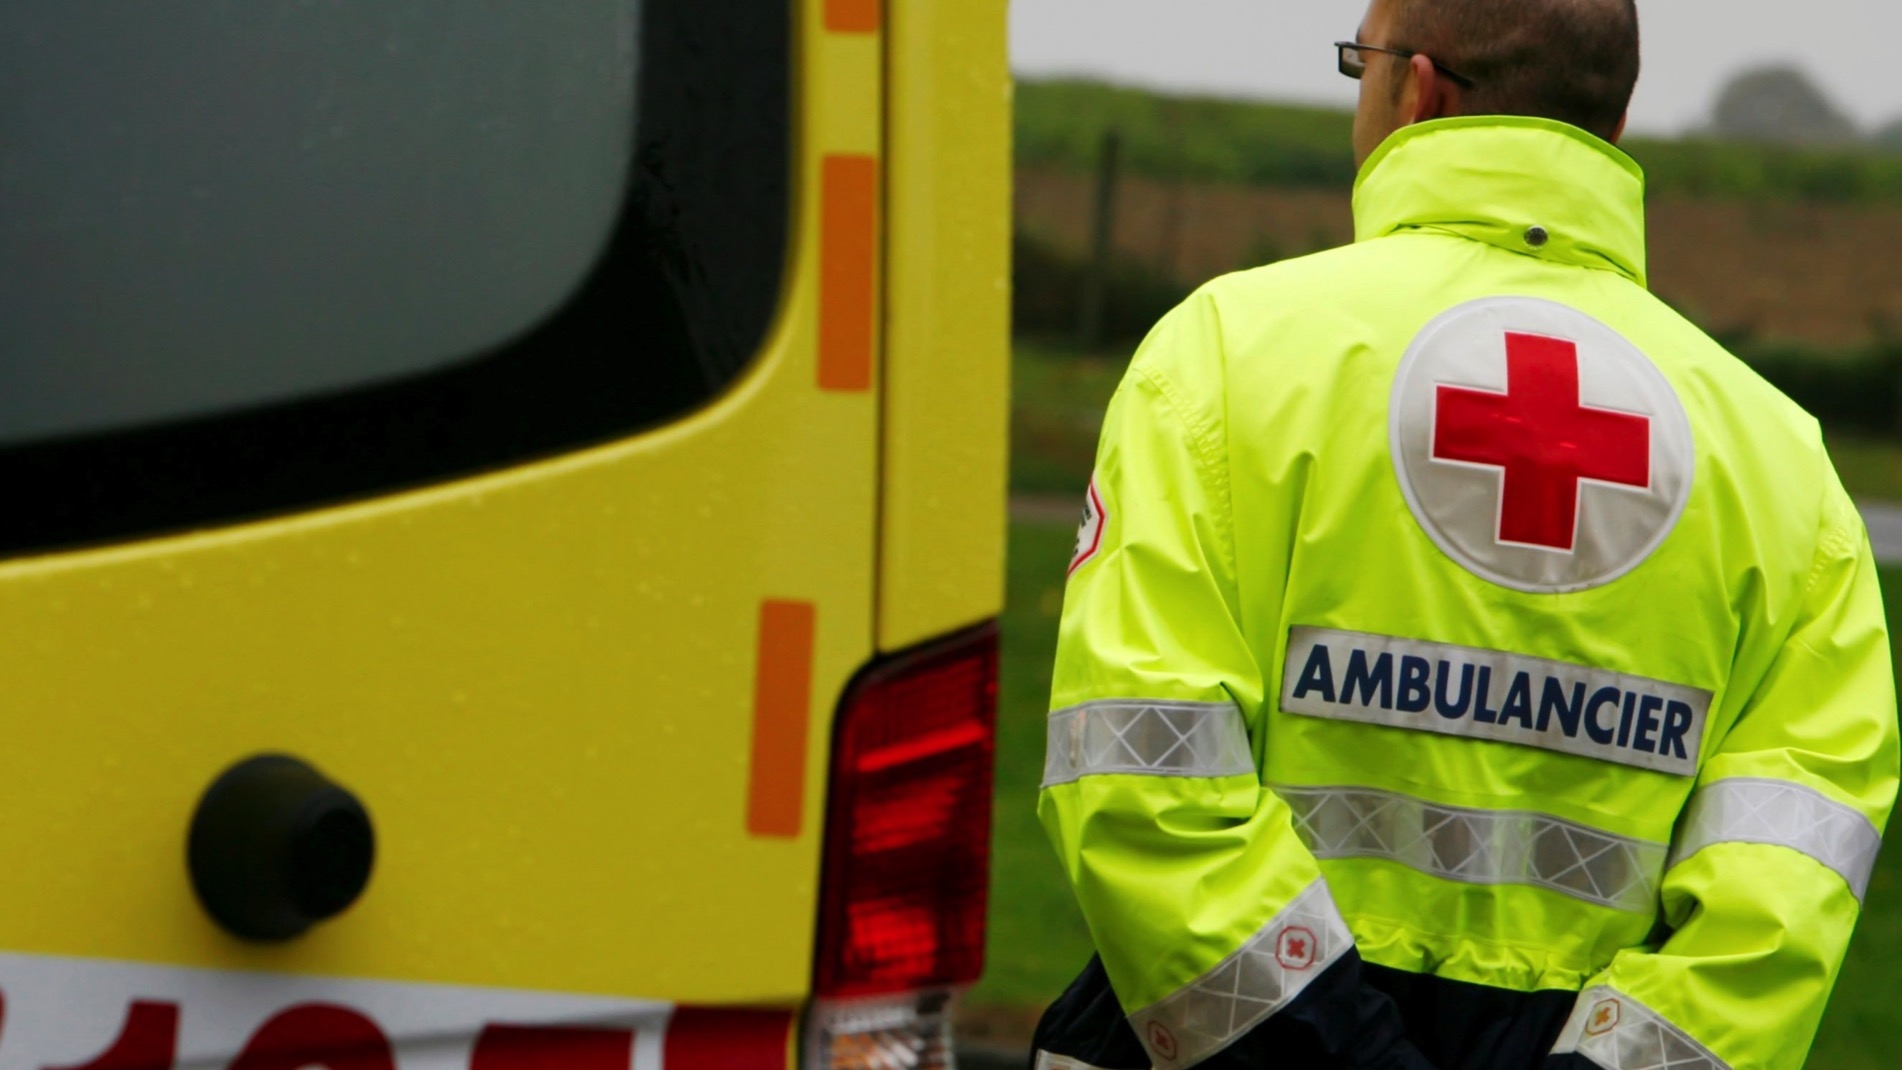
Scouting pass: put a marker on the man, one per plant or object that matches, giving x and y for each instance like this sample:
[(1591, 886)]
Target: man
[(1466, 663)]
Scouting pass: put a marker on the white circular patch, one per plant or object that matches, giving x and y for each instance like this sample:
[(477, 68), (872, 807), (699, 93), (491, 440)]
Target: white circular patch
[(1537, 447)]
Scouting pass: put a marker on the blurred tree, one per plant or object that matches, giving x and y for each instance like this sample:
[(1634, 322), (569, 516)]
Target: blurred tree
[(1782, 106), (1889, 137)]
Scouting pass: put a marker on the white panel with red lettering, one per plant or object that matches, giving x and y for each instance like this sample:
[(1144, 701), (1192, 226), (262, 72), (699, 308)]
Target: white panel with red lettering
[(88, 1014)]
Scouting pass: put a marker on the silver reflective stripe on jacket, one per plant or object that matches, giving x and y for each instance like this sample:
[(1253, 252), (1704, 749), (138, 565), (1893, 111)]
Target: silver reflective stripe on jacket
[(1619, 1033), (1145, 737), (1479, 846), (1265, 975), (1753, 810)]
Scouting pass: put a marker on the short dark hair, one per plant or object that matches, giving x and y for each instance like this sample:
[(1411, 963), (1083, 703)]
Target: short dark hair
[(1571, 60)]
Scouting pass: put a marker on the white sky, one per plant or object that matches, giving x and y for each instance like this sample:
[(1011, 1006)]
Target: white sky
[(1279, 49)]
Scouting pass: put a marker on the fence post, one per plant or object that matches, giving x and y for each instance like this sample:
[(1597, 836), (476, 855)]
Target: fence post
[(1093, 307)]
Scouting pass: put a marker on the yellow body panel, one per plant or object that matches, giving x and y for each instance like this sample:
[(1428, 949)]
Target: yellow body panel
[(947, 308), (539, 681)]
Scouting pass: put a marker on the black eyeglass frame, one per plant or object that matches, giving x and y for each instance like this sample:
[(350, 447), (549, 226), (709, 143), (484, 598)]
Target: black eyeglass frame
[(1354, 68)]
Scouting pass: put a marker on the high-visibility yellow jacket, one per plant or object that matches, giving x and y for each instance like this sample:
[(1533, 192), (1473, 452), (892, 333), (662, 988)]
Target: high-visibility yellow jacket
[(1465, 658)]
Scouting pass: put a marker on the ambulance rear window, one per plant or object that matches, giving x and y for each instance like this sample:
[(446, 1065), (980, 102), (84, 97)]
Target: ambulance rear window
[(262, 255)]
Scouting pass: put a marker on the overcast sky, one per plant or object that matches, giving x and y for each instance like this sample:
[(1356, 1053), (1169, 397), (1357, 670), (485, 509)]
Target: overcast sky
[(1279, 49)]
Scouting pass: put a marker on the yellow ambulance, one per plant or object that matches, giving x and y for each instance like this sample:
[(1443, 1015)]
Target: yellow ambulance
[(501, 510)]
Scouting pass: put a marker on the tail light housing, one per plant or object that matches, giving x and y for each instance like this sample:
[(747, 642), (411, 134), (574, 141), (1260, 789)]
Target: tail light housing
[(907, 854)]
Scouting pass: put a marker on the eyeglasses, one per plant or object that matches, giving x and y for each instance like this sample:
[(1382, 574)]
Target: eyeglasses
[(1354, 62)]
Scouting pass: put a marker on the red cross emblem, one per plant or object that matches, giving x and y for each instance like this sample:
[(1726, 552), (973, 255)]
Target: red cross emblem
[(1294, 948), (1545, 441), (1604, 1017), (1161, 1041), (1560, 467)]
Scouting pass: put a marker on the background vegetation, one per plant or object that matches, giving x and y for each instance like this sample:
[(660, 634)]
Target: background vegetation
[(1208, 148), (1061, 124)]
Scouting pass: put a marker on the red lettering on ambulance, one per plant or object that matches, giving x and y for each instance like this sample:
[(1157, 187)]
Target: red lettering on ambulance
[(147, 1041), (1543, 438), (317, 1035), (525, 1047)]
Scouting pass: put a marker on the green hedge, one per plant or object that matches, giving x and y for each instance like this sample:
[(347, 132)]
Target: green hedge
[(1061, 124), (1047, 295), (1857, 391)]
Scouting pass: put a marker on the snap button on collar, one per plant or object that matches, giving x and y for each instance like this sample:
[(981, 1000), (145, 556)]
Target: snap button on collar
[(1536, 236)]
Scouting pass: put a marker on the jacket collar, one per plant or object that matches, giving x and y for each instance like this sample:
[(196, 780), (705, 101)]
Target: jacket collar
[(1492, 178)]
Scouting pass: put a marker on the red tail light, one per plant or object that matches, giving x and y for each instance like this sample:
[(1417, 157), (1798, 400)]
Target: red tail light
[(908, 823)]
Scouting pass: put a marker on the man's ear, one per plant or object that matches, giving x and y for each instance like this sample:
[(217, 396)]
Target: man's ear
[(1435, 96)]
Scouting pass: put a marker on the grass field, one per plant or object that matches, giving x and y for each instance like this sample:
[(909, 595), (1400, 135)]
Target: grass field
[(1037, 938), (1057, 401)]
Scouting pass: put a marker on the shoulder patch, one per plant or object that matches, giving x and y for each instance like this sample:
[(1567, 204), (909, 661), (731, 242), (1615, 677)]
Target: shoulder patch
[(1536, 446), (1089, 533)]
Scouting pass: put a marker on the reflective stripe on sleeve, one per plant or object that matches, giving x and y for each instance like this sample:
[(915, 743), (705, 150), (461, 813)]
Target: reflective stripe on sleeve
[(1619, 1033), (1754, 810), (1479, 846), (1249, 986), (1050, 1060), (1186, 739)]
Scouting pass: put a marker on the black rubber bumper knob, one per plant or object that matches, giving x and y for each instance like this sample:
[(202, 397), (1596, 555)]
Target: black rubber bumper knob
[(275, 848)]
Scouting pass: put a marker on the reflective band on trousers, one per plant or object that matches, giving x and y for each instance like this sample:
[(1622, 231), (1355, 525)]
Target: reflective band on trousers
[(1146, 737), (1265, 975), (1753, 810), (1619, 1033), (1479, 846)]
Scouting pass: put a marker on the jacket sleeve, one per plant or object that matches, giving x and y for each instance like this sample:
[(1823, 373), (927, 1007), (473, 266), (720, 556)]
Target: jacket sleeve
[(1774, 850), (1211, 919)]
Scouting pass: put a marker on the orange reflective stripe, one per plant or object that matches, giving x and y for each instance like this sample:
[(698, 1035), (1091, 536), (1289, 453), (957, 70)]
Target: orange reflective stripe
[(848, 253), (782, 708), (852, 16)]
